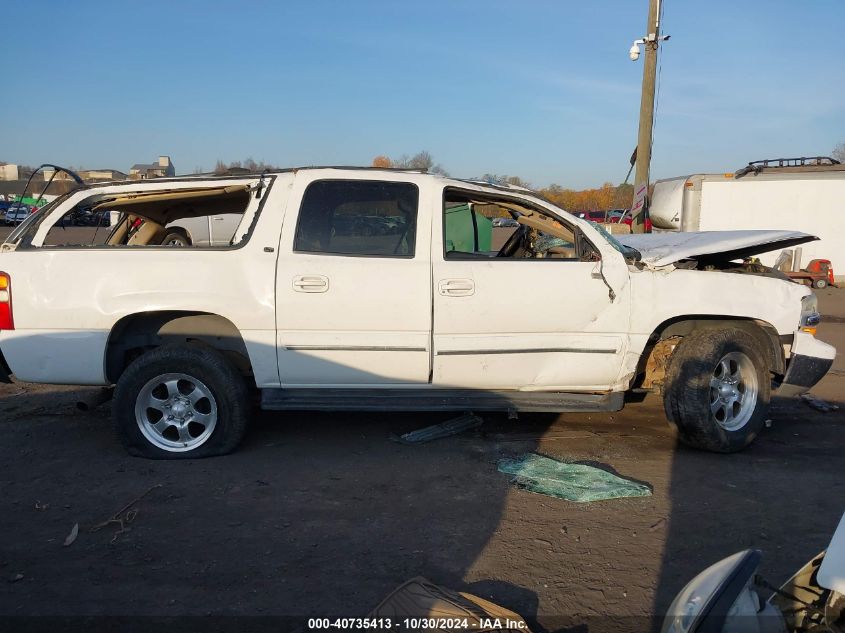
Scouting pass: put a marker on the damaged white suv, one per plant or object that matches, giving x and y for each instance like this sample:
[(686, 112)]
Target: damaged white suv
[(344, 288)]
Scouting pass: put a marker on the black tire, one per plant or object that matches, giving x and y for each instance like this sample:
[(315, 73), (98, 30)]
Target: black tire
[(820, 283), (688, 392), (205, 364), (176, 237)]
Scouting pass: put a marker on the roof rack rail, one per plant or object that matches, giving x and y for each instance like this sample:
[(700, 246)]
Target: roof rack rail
[(243, 171), (771, 163)]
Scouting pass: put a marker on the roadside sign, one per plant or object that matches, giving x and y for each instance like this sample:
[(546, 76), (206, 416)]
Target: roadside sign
[(640, 191)]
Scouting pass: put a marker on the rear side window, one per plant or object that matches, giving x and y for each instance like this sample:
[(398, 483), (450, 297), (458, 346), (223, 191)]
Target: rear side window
[(358, 217)]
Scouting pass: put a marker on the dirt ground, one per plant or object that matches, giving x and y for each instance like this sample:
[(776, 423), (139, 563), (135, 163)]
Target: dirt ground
[(322, 515)]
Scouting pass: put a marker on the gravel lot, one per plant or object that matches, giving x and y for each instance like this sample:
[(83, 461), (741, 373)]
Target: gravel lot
[(321, 514)]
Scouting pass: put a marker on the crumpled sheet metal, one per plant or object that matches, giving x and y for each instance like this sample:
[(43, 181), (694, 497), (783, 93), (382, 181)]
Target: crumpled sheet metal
[(573, 482)]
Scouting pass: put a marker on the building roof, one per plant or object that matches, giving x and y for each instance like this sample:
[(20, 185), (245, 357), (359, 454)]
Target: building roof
[(115, 171), (146, 166)]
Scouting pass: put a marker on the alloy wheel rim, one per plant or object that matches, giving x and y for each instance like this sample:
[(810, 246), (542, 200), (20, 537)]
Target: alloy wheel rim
[(176, 412), (733, 391)]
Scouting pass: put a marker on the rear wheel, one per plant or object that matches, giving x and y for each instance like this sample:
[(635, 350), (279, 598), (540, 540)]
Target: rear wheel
[(717, 389), (820, 283), (176, 238), (181, 402)]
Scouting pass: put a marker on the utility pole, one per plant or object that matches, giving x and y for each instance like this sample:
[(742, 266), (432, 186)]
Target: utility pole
[(650, 43)]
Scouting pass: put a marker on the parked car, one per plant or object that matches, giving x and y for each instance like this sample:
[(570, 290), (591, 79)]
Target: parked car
[(505, 222), (429, 319), (614, 216), (82, 217), (17, 213), (395, 224), (625, 215), (599, 217)]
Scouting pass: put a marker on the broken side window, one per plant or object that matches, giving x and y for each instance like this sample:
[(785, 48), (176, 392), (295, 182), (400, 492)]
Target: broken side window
[(477, 226), (178, 218)]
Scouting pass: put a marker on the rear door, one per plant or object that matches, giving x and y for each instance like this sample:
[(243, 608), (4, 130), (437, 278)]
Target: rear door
[(353, 289)]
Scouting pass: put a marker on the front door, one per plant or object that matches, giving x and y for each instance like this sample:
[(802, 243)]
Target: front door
[(353, 287), (517, 308)]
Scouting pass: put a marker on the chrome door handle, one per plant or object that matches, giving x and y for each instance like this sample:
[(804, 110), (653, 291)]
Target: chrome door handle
[(456, 287), (311, 283)]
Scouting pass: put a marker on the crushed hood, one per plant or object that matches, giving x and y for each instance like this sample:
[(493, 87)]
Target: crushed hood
[(663, 249)]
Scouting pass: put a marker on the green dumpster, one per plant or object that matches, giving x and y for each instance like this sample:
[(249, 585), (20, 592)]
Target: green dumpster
[(467, 230)]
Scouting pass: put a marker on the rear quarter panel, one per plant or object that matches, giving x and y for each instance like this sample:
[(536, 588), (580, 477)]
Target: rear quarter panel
[(67, 300)]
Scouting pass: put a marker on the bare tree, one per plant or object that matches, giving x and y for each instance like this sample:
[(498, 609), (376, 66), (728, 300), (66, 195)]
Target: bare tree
[(839, 152), (424, 161), (421, 160), (504, 179), (249, 164)]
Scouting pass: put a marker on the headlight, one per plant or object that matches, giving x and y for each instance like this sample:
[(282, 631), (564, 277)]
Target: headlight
[(713, 595), (810, 317)]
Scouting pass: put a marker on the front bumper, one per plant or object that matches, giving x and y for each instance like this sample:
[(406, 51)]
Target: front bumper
[(809, 361)]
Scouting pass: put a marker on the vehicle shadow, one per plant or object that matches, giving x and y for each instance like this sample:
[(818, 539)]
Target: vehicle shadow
[(316, 515), (322, 515), (775, 496)]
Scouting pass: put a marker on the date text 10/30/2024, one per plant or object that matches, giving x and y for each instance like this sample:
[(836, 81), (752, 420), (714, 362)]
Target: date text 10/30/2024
[(415, 624)]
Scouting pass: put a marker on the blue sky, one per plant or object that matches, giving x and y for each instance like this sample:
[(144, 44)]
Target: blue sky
[(543, 90)]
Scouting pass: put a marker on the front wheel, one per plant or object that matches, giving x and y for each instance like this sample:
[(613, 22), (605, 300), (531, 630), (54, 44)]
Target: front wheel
[(717, 389), (820, 283), (180, 402)]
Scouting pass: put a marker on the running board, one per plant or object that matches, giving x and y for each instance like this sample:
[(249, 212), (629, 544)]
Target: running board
[(327, 399)]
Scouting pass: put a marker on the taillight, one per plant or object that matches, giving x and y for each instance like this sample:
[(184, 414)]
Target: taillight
[(6, 322)]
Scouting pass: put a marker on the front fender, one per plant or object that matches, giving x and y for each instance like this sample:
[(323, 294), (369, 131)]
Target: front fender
[(660, 296)]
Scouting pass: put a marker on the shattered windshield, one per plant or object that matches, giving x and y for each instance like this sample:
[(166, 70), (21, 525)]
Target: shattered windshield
[(627, 251)]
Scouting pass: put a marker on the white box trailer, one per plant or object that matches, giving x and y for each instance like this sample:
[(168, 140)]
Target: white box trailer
[(805, 195)]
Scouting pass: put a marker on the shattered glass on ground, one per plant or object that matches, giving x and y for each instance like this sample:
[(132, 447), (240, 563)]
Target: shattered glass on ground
[(572, 482)]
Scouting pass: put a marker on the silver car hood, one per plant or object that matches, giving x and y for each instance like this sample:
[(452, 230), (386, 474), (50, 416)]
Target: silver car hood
[(666, 248)]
